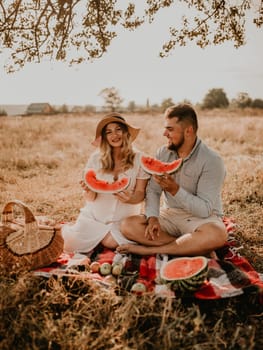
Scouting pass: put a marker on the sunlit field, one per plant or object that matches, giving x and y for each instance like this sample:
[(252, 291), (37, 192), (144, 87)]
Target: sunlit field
[(41, 163)]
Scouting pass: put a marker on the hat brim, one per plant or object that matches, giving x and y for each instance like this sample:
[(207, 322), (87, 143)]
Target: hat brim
[(113, 118)]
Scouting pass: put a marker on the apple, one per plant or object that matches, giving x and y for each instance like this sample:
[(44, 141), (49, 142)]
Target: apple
[(105, 269), (117, 268), (95, 267)]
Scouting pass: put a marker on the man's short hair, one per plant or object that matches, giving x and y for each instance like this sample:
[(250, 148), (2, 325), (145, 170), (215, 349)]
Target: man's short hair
[(184, 113)]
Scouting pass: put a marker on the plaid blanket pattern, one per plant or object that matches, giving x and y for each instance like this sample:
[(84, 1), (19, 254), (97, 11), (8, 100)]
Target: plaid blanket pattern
[(229, 274)]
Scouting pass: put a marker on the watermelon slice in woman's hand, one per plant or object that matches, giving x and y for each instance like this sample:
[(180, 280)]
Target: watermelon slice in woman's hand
[(103, 186)]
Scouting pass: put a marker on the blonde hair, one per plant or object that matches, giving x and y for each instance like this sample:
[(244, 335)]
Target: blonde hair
[(127, 153)]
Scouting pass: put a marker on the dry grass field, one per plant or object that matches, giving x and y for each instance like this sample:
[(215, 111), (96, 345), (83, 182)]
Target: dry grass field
[(41, 163)]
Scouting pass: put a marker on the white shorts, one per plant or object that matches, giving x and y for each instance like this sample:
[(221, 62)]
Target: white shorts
[(177, 222)]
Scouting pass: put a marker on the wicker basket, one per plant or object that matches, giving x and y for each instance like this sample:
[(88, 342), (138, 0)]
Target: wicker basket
[(24, 244)]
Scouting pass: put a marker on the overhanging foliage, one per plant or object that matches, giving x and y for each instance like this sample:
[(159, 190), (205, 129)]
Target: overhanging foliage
[(75, 30)]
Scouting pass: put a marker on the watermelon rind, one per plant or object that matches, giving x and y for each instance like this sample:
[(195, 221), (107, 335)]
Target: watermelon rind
[(189, 283), (105, 186), (155, 166)]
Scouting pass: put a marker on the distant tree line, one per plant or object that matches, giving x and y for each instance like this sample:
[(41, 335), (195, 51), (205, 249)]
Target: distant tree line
[(217, 98), (214, 98)]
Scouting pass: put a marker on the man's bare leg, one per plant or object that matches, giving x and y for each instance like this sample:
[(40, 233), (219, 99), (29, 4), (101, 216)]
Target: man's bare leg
[(133, 228), (202, 241)]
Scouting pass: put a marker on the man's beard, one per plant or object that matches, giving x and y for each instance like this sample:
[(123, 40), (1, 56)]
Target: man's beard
[(176, 147)]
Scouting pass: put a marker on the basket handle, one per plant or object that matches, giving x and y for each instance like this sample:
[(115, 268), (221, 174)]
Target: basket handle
[(8, 213)]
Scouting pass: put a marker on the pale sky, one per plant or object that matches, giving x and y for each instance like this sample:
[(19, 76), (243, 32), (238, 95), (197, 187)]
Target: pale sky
[(133, 66)]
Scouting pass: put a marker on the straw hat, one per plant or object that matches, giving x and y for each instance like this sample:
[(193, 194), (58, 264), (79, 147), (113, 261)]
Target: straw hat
[(113, 117)]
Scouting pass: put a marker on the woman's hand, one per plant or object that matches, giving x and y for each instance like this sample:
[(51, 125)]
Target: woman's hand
[(83, 185), (124, 196), (133, 197), (88, 194)]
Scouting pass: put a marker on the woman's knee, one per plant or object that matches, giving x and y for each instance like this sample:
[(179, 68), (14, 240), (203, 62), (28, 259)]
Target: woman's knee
[(109, 242)]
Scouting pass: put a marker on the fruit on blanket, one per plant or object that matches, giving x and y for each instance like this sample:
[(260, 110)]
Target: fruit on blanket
[(157, 167), (117, 268), (138, 288), (105, 269), (185, 274), (102, 186), (95, 267)]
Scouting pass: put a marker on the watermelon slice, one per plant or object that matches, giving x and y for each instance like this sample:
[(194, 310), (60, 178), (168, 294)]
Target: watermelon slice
[(186, 274), (102, 186), (156, 167)]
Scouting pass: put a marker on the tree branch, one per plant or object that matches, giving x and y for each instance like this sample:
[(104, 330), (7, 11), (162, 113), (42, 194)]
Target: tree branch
[(39, 28)]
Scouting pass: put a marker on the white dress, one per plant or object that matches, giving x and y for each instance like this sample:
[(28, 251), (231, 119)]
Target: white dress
[(103, 214)]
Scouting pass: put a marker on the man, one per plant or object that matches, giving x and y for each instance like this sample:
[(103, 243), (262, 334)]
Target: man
[(190, 220)]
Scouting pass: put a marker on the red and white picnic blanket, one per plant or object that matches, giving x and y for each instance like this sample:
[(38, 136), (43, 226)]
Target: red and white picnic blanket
[(229, 275)]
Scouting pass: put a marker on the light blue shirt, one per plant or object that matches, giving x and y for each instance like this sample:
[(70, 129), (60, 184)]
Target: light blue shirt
[(200, 178)]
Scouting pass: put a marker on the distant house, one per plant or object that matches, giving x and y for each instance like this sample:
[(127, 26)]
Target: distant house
[(39, 108)]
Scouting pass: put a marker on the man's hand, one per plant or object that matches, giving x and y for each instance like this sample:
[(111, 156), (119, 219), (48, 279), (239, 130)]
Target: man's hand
[(153, 228), (167, 183)]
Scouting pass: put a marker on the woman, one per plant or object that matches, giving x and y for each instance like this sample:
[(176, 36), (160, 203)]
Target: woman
[(98, 221)]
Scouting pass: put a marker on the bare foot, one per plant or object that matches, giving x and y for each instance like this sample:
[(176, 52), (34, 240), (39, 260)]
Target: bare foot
[(136, 249)]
